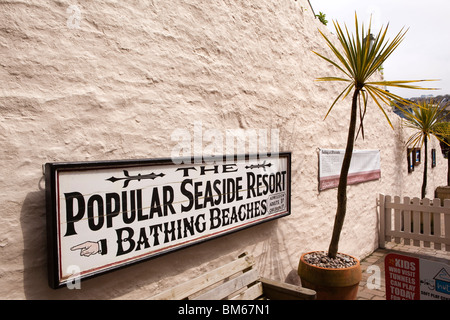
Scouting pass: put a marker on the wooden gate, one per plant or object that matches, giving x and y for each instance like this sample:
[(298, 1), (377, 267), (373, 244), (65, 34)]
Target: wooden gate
[(414, 221)]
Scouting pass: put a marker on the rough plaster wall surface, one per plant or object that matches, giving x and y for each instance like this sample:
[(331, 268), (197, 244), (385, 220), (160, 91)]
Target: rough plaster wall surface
[(117, 86)]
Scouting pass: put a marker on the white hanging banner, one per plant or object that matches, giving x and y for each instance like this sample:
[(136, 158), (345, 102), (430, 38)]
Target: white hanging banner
[(365, 166)]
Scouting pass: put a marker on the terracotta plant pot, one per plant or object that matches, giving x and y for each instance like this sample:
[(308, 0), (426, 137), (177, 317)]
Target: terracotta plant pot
[(330, 283)]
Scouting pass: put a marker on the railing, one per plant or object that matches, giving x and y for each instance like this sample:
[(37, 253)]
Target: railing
[(414, 221)]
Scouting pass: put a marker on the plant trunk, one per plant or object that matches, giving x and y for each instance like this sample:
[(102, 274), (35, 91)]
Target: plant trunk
[(425, 167), (342, 187)]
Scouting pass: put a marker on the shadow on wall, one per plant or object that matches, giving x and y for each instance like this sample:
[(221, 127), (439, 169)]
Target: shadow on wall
[(271, 262), (129, 282), (33, 223)]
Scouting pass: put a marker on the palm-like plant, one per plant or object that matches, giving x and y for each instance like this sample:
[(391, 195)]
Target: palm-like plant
[(361, 56), (443, 133), (426, 118)]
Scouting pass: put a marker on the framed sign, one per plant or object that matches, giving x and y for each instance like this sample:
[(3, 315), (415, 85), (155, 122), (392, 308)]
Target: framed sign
[(433, 158), (416, 156), (105, 215), (364, 166), (410, 156)]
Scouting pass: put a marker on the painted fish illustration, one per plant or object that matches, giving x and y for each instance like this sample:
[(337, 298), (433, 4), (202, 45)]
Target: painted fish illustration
[(138, 177)]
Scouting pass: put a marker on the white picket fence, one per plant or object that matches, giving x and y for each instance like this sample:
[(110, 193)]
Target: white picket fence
[(414, 221)]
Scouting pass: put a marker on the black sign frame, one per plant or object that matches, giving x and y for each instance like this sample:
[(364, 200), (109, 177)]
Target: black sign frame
[(52, 171)]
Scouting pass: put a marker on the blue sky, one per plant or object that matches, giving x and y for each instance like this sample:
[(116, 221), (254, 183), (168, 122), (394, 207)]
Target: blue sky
[(425, 51)]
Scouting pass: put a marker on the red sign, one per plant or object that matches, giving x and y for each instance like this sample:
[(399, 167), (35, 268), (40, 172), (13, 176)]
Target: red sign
[(402, 277)]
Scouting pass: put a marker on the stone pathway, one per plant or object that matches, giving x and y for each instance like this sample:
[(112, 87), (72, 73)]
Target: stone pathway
[(370, 291)]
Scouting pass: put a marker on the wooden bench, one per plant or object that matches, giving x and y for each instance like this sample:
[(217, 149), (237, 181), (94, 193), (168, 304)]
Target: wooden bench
[(237, 280)]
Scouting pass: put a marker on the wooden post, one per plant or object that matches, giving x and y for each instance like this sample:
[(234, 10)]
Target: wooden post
[(382, 231), (437, 224), (397, 218), (447, 223), (407, 224), (416, 220)]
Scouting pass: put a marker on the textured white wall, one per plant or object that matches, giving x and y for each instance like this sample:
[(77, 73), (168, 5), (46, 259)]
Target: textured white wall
[(116, 83)]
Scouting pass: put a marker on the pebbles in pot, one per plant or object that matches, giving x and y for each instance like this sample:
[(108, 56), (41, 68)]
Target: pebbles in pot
[(321, 259)]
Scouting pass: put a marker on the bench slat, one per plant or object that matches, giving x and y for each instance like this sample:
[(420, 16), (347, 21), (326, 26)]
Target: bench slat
[(185, 289), (251, 293), (227, 288), (235, 280), (276, 290)]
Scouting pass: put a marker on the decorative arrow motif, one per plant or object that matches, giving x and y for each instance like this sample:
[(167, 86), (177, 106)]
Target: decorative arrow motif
[(139, 177), (255, 166)]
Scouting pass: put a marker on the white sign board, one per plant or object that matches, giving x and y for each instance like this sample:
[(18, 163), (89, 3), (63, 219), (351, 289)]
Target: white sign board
[(364, 166), (105, 215)]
